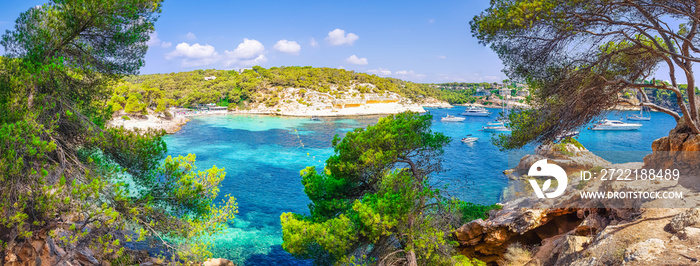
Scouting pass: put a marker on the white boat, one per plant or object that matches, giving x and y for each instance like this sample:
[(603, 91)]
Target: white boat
[(495, 127), (470, 139), (615, 125), (504, 112), (503, 119), (567, 134), (476, 111), (640, 116), (451, 118)]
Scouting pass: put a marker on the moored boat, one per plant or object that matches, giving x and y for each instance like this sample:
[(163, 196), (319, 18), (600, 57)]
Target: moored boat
[(615, 125), (640, 116), (469, 139), (495, 127), (476, 111), (451, 118)]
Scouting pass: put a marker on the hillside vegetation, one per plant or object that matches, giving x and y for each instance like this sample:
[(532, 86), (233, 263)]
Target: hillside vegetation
[(253, 86)]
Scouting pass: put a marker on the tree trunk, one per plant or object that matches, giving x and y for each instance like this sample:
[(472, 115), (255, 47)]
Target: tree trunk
[(411, 258)]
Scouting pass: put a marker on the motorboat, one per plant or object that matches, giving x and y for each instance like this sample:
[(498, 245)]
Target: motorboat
[(615, 125), (476, 111), (469, 139), (567, 134), (451, 118), (495, 127), (640, 116), (315, 118)]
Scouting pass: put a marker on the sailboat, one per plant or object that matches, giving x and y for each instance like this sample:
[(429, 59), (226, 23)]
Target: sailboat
[(639, 117), (504, 112)]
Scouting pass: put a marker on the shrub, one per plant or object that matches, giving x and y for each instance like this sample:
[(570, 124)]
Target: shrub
[(472, 211), (516, 254)]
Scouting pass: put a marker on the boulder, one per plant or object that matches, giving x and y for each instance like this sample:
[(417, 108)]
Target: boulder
[(645, 251), (691, 234), (569, 247), (570, 157), (86, 257), (685, 219), (679, 150), (218, 262)]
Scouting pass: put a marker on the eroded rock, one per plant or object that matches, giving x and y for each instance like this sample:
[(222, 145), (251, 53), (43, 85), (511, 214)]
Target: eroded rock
[(645, 251)]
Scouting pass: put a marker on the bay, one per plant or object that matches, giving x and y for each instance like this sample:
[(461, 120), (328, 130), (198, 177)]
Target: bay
[(263, 155)]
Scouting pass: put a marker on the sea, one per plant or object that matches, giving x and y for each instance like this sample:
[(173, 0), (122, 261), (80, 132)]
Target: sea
[(262, 157)]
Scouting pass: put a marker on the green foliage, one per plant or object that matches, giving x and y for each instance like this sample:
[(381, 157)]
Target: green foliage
[(471, 211), (61, 171), (611, 57), (373, 201), (189, 89)]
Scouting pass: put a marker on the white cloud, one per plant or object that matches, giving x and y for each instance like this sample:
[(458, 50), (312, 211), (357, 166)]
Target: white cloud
[(155, 41), (338, 37), (313, 42), (194, 55), (353, 59), (285, 46), (441, 57), (190, 36), (408, 74), (248, 53), (380, 71)]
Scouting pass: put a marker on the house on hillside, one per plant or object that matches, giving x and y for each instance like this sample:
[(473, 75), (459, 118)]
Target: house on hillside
[(482, 92), (504, 91), (210, 78), (240, 70), (523, 93)]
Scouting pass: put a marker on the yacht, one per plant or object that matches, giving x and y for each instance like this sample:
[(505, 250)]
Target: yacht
[(615, 125), (451, 118), (495, 127), (476, 111)]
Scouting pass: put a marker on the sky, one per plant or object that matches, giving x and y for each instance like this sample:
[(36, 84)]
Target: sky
[(421, 41)]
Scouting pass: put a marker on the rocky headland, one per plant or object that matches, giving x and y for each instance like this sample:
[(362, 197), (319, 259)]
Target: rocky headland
[(569, 230)]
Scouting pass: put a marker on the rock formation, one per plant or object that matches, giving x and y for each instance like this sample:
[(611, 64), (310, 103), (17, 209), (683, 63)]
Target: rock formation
[(679, 150)]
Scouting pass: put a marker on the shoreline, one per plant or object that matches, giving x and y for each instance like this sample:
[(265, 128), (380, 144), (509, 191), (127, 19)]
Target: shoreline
[(158, 122)]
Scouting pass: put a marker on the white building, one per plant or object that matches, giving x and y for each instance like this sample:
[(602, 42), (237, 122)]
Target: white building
[(210, 78)]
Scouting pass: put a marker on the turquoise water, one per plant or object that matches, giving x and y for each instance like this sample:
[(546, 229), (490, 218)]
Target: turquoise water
[(263, 155)]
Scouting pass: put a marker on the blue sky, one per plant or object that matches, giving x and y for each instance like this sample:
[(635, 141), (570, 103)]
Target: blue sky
[(414, 40)]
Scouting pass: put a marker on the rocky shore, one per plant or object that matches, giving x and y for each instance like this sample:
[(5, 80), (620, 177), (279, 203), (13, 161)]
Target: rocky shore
[(569, 230), (145, 122)]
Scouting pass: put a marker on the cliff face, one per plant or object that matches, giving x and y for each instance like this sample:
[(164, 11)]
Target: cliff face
[(679, 150), (569, 230)]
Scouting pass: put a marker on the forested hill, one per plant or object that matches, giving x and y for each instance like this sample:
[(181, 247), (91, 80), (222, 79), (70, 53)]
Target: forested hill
[(254, 86)]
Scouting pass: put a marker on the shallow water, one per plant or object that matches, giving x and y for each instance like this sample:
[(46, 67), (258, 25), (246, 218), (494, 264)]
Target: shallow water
[(263, 155)]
